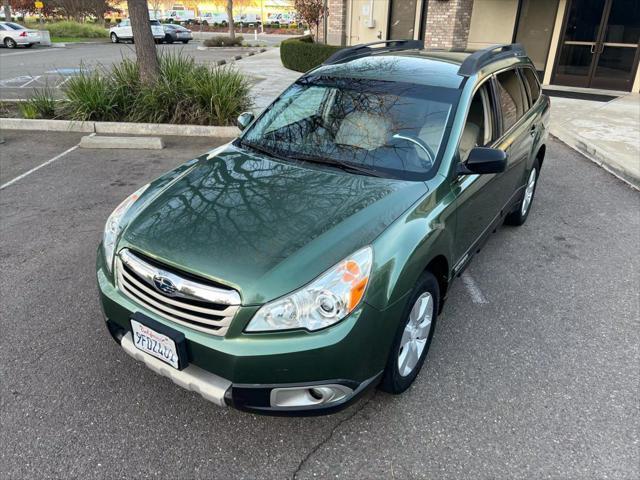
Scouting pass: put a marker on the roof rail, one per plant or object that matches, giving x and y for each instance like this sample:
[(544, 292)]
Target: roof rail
[(479, 59), (365, 50)]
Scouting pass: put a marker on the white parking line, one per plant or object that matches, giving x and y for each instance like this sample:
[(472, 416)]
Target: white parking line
[(34, 169), (474, 290), (33, 79)]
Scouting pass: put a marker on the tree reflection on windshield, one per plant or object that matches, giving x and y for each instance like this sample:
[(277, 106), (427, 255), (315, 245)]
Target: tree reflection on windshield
[(390, 127)]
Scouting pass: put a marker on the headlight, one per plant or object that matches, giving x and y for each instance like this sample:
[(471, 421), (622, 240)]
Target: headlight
[(113, 228), (325, 301)]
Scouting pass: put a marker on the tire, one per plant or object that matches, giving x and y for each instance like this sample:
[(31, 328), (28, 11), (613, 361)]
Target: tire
[(114, 38), (10, 43), (520, 213), (185, 41), (168, 38), (412, 341)]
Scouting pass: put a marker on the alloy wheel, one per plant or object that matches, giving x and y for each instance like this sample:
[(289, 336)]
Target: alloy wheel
[(528, 193), (415, 334)]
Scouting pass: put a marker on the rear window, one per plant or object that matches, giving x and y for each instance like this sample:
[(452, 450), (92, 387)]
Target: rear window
[(532, 81), (511, 98), (14, 26)]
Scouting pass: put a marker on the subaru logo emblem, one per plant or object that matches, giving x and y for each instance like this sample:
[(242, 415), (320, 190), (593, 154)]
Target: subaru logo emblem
[(164, 285)]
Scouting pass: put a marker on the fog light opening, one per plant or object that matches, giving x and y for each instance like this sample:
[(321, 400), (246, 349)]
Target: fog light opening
[(309, 396)]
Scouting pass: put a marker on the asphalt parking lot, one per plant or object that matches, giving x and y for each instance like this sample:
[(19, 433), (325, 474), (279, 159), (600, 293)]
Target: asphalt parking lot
[(23, 70), (536, 378)]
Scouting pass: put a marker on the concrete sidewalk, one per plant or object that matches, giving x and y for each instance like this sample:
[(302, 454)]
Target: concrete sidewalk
[(606, 132), (270, 77)]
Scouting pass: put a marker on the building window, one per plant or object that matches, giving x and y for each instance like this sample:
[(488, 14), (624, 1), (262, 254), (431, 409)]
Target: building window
[(402, 19), (534, 27)]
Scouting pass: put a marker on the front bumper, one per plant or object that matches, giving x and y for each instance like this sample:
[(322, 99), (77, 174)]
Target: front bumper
[(247, 371)]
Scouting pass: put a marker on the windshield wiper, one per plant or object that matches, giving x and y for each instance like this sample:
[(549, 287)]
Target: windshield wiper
[(265, 151), (346, 166)]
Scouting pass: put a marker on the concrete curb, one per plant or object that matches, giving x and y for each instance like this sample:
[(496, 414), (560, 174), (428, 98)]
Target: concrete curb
[(599, 156), (46, 125), (119, 128), (137, 143)]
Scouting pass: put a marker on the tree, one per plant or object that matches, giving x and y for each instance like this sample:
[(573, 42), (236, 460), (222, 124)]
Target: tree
[(311, 11), (155, 6), (7, 10), (232, 29), (148, 63)]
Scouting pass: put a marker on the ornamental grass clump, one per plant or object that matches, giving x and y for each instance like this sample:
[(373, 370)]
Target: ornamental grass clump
[(185, 93)]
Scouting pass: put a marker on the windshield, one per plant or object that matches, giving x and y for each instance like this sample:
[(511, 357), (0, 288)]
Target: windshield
[(390, 128)]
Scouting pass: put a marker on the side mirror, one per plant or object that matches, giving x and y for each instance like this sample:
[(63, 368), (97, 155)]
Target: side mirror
[(244, 119), (483, 160)]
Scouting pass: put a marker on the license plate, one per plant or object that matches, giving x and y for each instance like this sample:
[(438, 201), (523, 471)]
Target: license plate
[(154, 343)]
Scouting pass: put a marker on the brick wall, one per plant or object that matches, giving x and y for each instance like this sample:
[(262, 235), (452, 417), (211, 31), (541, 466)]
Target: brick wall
[(336, 23), (448, 23)]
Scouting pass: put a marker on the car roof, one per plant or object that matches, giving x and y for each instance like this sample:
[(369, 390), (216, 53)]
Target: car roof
[(438, 68)]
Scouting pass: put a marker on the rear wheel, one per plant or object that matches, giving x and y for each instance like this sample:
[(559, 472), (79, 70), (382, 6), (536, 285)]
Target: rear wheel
[(10, 43), (185, 41), (413, 337), (519, 215), (114, 38), (168, 38)]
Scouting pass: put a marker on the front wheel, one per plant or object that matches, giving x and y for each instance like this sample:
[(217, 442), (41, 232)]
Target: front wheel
[(114, 38), (10, 43), (168, 38), (413, 337), (519, 215), (185, 41)]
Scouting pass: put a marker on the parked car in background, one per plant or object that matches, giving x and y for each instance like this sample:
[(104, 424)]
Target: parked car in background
[(176, 33), (13, 35), (123, 31), (247, 19), (178, 16), (212, 18)]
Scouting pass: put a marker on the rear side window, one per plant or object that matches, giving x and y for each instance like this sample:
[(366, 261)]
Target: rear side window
[(511, 98), (532, 82), (155, 22)]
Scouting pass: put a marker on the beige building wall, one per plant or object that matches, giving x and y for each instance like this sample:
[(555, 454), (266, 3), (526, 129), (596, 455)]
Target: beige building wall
[(492, 21), (367, 21)]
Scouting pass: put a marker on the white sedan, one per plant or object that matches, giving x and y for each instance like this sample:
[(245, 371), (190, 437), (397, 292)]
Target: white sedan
[(123, 31), (12, 35)]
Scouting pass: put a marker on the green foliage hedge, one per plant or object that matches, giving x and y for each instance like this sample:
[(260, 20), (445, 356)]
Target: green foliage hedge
[(71, 29), (302, 54)]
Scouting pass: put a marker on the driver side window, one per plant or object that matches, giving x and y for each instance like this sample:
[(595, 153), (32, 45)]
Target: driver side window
[(480, 126)]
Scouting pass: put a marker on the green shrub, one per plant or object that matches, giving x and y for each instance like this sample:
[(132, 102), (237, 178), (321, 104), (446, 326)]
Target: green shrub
[(223, 41), (41, 104), (302, 54), (71, 29), (185, 93), (90, 96)]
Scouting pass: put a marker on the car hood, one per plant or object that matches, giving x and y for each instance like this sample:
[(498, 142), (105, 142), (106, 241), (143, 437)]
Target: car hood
[(262, 226)]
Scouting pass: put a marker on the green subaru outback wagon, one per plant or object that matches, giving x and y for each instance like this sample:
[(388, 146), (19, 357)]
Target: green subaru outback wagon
[(291, 269)]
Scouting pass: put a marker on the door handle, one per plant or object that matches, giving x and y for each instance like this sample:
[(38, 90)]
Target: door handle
[(593, 49), (532, 130)]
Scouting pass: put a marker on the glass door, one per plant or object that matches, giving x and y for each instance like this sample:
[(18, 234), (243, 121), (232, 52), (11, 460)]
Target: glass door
[(579, 44), (599, 48), (618, 49)]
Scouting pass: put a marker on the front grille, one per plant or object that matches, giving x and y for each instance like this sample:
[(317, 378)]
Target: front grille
[(177, 297)]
